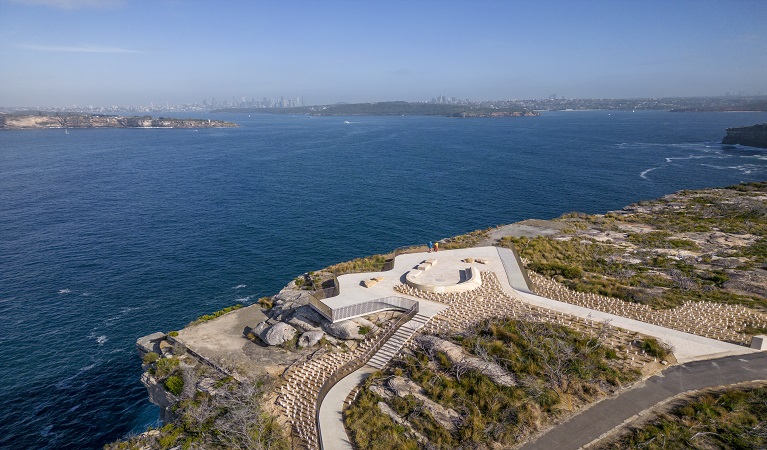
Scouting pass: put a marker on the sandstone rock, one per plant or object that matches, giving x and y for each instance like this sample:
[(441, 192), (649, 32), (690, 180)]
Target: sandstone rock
[(302, 325), (363, 322), (310, 338), (308, 314), (278, 334), (456, 355), (348, 329), (444, 416), (260, 328), (166, 347), (299, 297), (282, 311)]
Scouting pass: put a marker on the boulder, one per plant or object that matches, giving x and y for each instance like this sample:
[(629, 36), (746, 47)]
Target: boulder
[(302, 325), (299, 297), (278, 333), (348, 329), (308, 314), (260, 328), (282, 311), (310, 338), (456, 355), (363, 322)]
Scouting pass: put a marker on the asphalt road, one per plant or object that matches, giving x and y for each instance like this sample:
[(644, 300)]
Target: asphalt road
[(608, 414)]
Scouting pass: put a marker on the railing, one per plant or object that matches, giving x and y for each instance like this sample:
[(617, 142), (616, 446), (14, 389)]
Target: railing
[(360, 309), (379, 304), (321, 308), (358, 362)]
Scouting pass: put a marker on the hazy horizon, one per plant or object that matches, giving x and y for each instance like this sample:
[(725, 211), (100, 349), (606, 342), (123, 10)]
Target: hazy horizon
[(122, 52)]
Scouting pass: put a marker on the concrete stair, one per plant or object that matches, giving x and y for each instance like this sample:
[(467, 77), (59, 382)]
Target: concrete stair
[(396, 341)]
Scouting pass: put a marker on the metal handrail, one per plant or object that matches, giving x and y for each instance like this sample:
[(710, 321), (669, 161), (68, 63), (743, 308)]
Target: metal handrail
[(358, 362)]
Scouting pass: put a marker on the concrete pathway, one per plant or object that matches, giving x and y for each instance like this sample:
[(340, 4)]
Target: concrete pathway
[(611, 413), (334, 435), (687, 347), (331, 410)]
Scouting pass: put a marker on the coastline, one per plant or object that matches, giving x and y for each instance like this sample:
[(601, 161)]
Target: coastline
[(290, 307)]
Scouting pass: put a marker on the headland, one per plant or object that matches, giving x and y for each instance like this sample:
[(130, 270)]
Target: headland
[(21, 121), (561, 314)]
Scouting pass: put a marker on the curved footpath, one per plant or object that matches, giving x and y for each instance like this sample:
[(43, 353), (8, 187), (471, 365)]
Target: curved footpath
[(737, 363), (607, 415)]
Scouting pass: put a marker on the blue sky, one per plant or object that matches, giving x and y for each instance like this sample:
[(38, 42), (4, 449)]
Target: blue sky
[(130, 52)]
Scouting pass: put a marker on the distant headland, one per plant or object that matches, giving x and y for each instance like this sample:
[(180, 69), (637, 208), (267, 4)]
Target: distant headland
[(753, 136), (65, 120), (394, 109)]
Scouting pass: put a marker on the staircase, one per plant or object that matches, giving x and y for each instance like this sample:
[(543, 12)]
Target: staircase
[(396, 341)]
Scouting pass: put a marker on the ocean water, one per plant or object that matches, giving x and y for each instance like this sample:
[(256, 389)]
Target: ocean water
[(109, 235)]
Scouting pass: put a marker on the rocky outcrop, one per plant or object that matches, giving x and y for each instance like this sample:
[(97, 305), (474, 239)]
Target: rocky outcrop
[(446, 417), (347, 329), (276, 334), (753, 136), (160, 397), (457, 356), (310, 338)]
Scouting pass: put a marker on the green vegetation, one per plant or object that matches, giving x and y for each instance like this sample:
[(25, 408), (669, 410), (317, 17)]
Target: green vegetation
[(557, 370), (150, 357), (374, 263), (164, 367), (735, 418), (648, 267), (208, 317), (266, 302), (363, 330), (174, 384), (233, 418), (652, 347)]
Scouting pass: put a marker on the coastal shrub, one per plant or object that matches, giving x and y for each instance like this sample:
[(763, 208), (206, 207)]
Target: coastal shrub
[(734, 418), (165, 366), (174, 384), (652, 347), (556, 369), (373, 263), (173, 334), (150, 357), (219, 313), (363, 330), (266, 302)]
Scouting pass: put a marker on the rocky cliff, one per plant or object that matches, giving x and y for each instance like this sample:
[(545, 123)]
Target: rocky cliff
[(36, 121), (753, 136)]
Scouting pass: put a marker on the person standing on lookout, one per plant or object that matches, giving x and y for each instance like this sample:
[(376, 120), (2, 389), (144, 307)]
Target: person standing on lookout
[(436, 246), (430, 246)]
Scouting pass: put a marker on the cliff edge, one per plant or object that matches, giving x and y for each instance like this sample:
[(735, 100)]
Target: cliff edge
[(753, 136)]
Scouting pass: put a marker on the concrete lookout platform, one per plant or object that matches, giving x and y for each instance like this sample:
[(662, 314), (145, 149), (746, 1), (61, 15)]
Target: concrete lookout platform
[(439, 280)]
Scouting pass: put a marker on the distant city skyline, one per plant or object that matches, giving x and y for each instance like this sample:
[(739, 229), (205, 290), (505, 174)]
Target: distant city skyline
[(122, 52)]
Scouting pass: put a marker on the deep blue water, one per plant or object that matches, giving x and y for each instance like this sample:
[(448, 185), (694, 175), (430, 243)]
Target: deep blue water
[(108, 235)]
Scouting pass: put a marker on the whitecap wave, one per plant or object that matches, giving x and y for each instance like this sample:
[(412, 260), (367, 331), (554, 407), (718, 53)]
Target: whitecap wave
[(101, 339), (644, 173), (240, 286), (745, 169), (244, 299), (682, 158), (64, 291)]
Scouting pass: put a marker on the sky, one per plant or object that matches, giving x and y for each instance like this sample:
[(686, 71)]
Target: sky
[(133, 52)]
